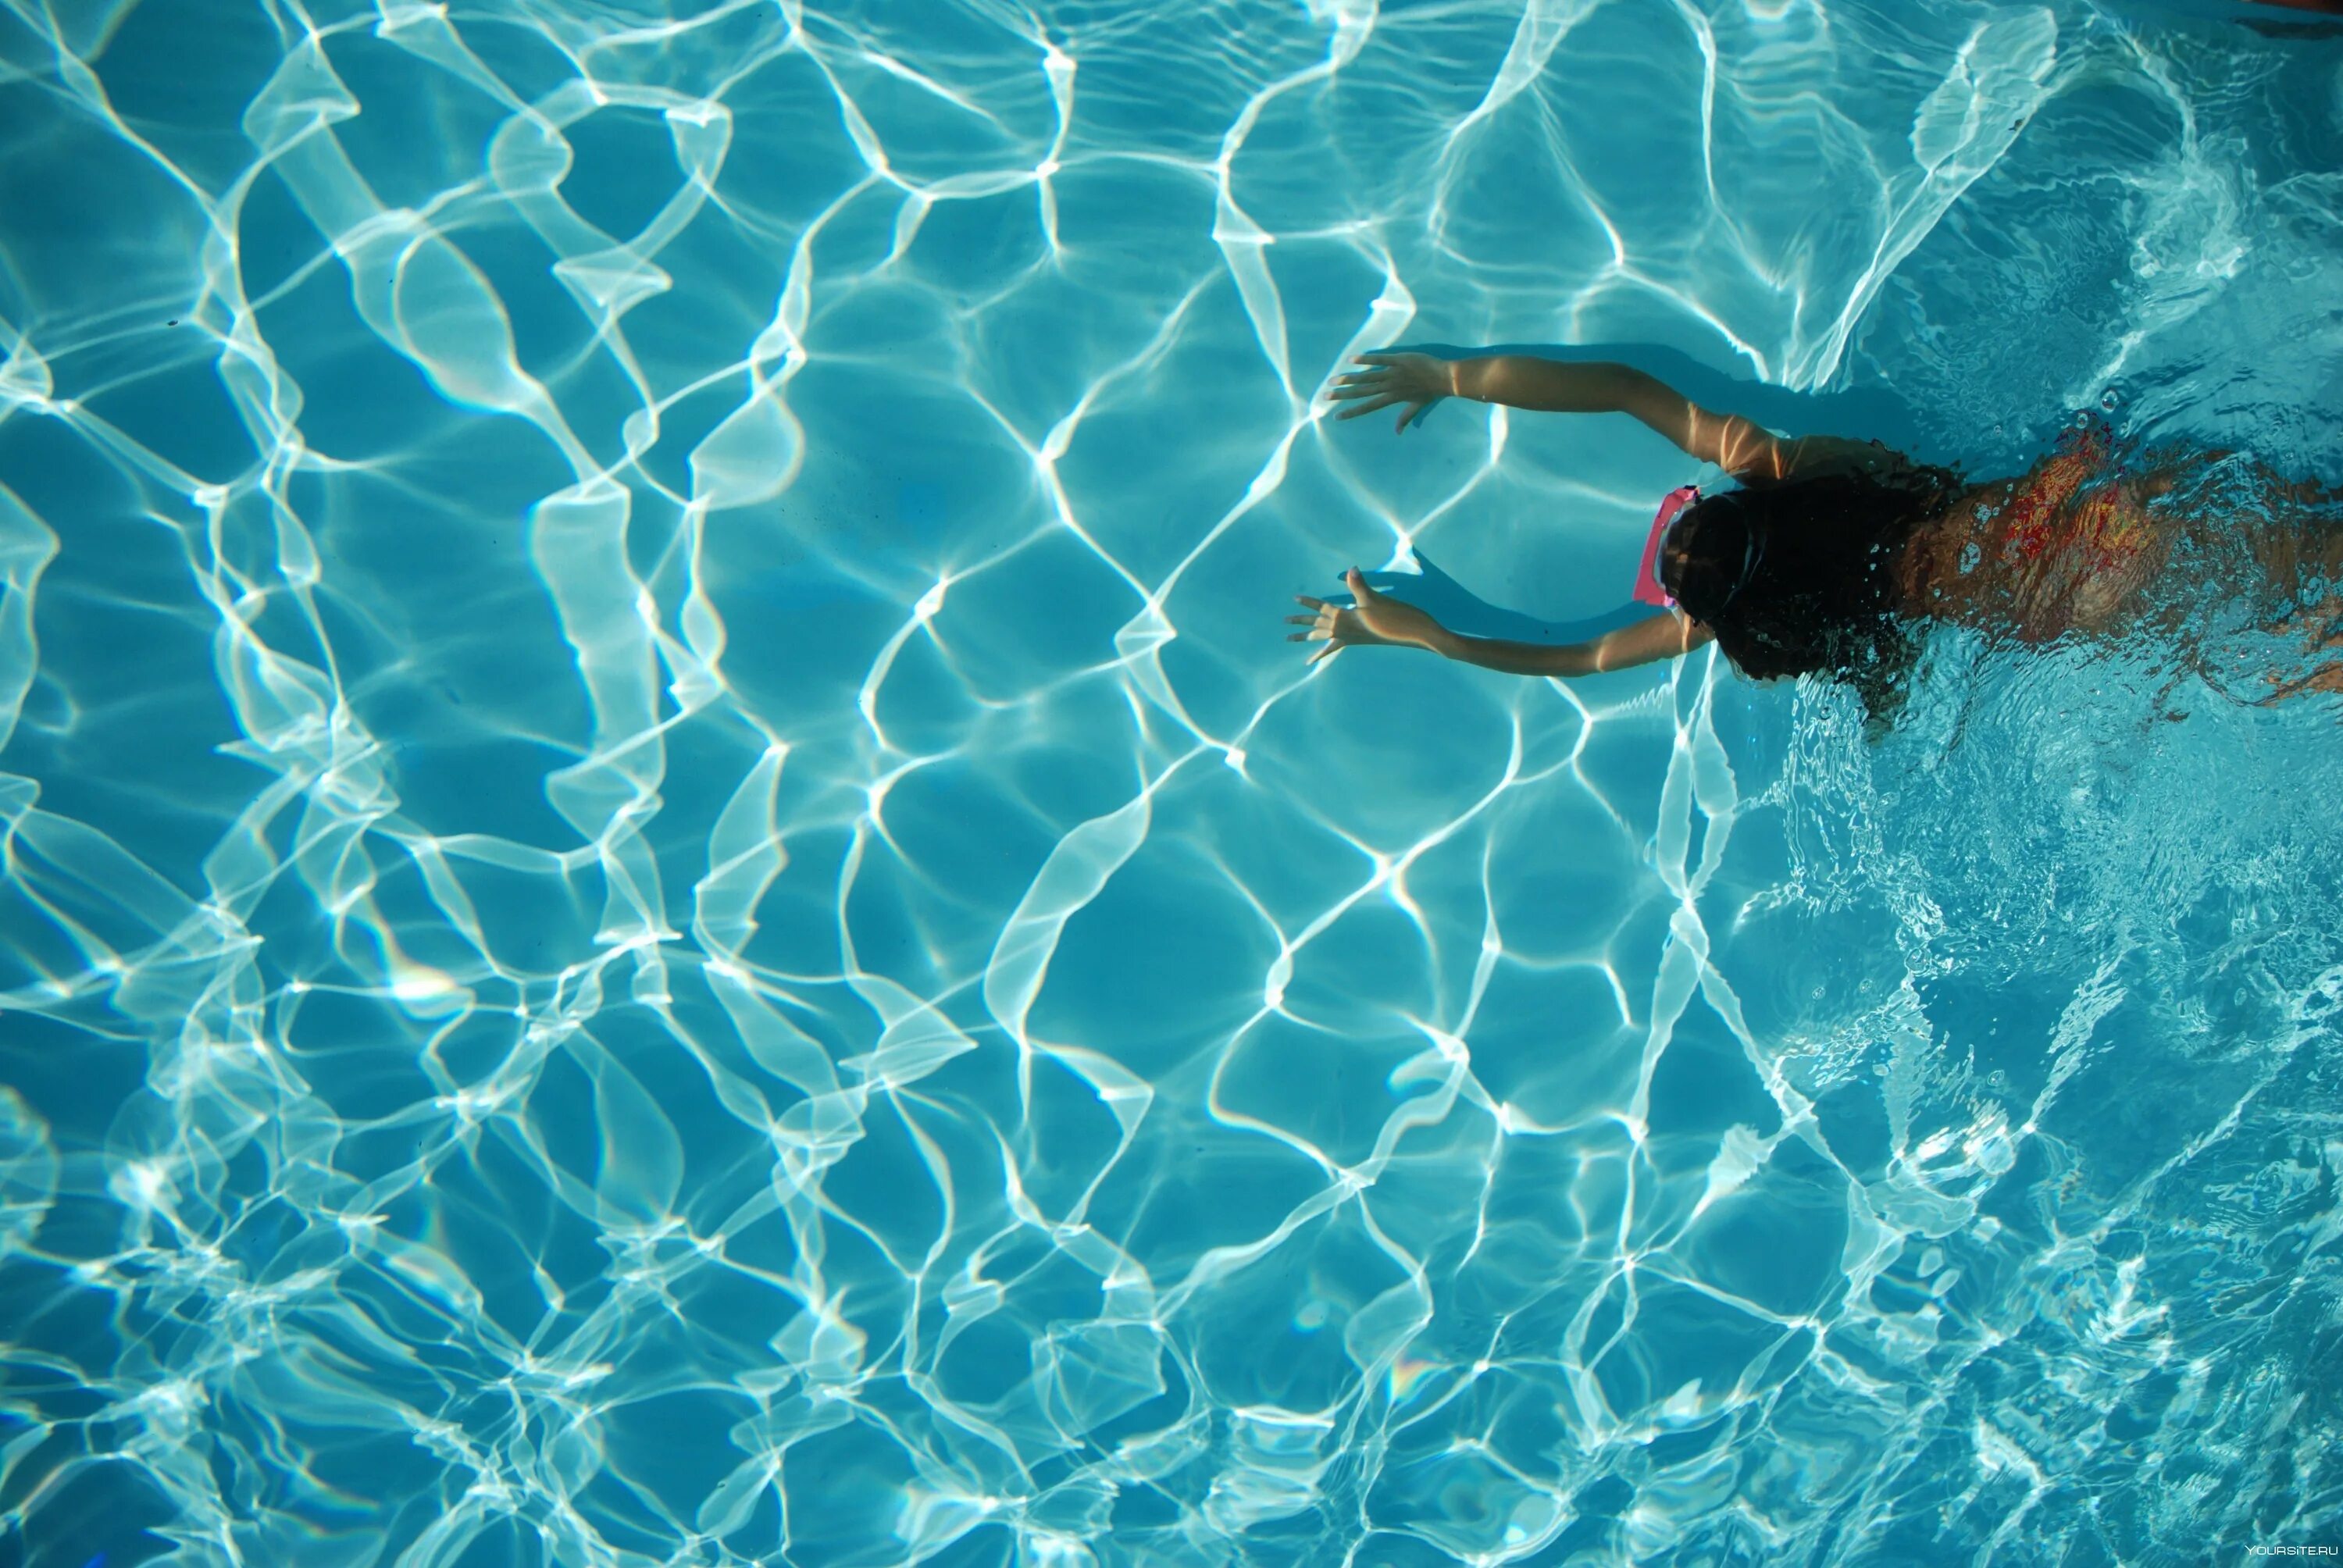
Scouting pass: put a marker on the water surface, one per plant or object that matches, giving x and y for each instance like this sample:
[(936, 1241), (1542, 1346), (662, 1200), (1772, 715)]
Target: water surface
[(670, 900)]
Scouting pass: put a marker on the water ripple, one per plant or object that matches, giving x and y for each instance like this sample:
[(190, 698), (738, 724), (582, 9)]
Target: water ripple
[(668, 902)]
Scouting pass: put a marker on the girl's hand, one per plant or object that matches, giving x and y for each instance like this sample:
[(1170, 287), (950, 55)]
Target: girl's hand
[(1376, 618), (1417, 381)]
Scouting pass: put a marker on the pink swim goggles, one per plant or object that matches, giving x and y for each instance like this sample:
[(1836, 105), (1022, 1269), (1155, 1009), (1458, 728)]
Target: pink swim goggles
[(1648, 586)]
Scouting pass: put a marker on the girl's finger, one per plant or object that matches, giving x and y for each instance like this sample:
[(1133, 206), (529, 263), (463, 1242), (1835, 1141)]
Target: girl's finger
[(1378, 358), (1302, 621), (1313, 603)]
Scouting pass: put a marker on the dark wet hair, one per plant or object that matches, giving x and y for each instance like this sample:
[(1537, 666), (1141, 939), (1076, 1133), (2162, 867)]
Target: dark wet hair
[(1794, 578)]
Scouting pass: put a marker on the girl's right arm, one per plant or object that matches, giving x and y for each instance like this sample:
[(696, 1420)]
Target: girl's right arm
[(1521, 381), (1740, 446)]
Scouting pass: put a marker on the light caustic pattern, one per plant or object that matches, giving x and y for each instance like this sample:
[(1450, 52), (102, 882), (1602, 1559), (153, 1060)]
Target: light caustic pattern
[(670, 900)]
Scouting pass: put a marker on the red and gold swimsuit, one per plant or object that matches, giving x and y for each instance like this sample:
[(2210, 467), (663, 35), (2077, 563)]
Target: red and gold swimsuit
[(2067, 544), (2103, 530)]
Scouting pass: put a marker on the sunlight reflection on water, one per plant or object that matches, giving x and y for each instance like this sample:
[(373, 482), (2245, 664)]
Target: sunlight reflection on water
[(670, 900)]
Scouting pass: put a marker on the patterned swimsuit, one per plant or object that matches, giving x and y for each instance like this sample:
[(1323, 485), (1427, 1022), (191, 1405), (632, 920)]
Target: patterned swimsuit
[(2072, 540)]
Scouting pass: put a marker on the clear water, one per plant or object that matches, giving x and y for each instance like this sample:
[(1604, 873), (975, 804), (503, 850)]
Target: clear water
[(670, 901)]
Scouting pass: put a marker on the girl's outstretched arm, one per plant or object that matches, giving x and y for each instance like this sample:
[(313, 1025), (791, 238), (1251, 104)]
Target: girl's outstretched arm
[(1525, 381), (1741, 446), (1669, 635), (1380, 620)]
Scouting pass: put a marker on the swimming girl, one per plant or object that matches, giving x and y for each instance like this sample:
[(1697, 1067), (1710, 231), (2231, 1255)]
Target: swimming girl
[(1828, 553)]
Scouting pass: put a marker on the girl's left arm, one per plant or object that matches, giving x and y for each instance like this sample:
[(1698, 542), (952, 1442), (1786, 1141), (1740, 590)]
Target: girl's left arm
[(1379, 621), (1670, 634)]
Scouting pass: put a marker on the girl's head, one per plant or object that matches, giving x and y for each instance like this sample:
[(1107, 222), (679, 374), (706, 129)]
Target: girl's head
[(1796, 578)]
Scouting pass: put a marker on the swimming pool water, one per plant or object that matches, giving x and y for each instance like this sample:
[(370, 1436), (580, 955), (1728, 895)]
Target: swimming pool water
[(670, 898)]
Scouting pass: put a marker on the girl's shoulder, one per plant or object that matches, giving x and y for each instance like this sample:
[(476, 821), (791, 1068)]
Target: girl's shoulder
[(1821, 457)]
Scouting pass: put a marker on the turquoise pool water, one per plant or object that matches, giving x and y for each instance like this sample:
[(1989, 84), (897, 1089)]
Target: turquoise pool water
[(670, 898)]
